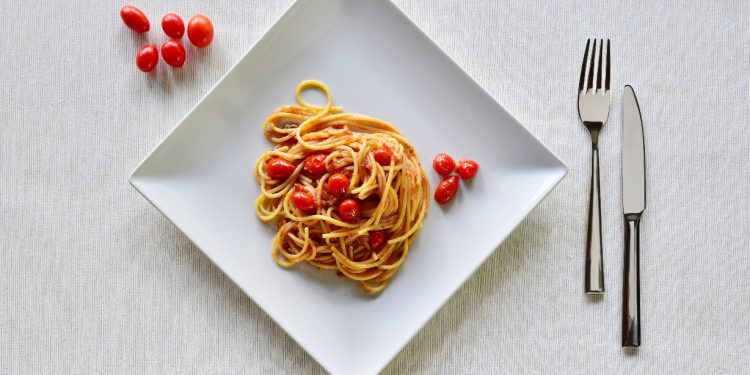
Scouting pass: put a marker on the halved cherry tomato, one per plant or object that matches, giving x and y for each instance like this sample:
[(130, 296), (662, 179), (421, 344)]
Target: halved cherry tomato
[(200, 31), (304, 201), (337, 184), (382, 155), (279, 169), (315, 164), (446, 189), (173, 26), (377, 240), (134, 18), (173, 53), (467, 169), (443, 164), (349, 210), (147, 58)]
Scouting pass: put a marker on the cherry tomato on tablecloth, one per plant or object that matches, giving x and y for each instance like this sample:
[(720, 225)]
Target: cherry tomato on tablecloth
[(173, 53), (173, 26), (134, 18), (200, 31), (147, 58)]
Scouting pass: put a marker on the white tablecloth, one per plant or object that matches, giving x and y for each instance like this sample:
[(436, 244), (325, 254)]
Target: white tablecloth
[(95, 280)]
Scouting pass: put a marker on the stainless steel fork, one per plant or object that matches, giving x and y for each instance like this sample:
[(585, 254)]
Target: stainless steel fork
[(593, 109)]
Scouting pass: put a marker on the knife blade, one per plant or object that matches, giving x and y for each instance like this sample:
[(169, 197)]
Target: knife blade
[(633, 205), (633, 158)]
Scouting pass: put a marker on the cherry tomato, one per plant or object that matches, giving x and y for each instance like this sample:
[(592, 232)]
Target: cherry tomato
[(446, 189), (467, 169), (315, 165), (304, 201), (173, 53), (349, 210), (377, 240), (134, 18), (279, 169), (337, 184), (173, 26), (382, 155), (200, 31), (443, 164), (147, 58)]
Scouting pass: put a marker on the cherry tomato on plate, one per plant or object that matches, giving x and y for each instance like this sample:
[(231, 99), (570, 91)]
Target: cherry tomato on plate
[(279, 169), (134, 18), (349, 210), (467, 169), (315, 164), (304, 201), (200, 31), (147, 58), (173, 26), (382, 155), (337, 184), (377, 240), (173, 53), (446, 189), (443, 164)]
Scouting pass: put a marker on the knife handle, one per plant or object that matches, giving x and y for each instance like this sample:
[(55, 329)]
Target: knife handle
[(631, 296), (594, 272)]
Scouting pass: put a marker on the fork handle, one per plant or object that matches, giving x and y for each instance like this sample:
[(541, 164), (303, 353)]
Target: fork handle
[(594, 273), (631, 295)]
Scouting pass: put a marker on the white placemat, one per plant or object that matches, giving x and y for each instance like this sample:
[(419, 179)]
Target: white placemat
[(94, 280)]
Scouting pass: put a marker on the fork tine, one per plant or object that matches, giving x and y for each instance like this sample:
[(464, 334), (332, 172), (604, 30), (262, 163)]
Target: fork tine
[(591, 67), (599, 68), (606, 82), (583, 67)]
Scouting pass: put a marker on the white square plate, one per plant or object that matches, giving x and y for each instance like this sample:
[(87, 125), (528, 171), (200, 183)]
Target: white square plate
[(376, 62)]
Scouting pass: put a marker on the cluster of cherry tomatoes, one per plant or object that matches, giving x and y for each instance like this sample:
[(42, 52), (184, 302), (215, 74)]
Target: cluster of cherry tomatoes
[(200, 31), (445, 166), (349, 210)]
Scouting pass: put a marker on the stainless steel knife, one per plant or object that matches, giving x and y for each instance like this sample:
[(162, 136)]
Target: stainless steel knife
[(633, 205)]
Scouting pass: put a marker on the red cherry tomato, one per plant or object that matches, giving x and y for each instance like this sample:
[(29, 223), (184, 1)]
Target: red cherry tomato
[(200, 31), (446, 189), (337, 184), (147, 58), (443, 164), (173, 26), (315, 165), (134, 18), (377, 240), (279, 169), (173, 53), (304, 201), (382, 155), (349, 210), (467, 169)]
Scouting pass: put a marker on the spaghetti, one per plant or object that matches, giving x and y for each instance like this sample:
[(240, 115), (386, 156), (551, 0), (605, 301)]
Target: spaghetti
[(391, 188)]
